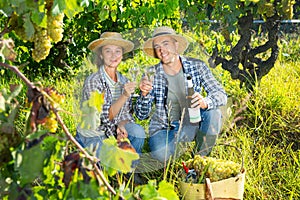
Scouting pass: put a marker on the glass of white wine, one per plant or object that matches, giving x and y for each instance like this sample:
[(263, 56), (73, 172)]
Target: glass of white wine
[(150, 72), (133, 74)]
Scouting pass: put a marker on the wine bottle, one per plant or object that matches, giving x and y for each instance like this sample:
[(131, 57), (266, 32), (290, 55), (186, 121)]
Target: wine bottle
[(194, 113)]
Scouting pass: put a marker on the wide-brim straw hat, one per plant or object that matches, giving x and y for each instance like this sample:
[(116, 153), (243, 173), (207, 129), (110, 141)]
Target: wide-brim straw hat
[(111, 38), (165, 31)]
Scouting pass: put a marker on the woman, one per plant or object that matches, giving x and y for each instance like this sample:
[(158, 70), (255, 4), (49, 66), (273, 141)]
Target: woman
[(116, 118)]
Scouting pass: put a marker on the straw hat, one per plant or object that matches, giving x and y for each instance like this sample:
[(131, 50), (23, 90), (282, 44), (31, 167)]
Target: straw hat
[(111, 38), (165, 31)]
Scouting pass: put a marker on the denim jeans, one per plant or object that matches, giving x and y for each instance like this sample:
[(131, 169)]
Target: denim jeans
[(162, 144), (136, 136)]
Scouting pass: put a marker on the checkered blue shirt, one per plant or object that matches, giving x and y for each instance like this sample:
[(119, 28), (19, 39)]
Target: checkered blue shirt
[(97, 82), (202, 78)]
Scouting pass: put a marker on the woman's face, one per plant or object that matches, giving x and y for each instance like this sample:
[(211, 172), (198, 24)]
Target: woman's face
[(111, 55)]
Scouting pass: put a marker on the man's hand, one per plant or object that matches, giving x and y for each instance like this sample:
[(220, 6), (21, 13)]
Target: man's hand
[(198, 101), (145, 86)]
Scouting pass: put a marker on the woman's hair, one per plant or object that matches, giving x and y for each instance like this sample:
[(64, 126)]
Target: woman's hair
[(96, 59)]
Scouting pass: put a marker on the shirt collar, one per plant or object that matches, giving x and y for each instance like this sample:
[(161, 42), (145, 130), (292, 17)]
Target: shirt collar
[(184, 61)]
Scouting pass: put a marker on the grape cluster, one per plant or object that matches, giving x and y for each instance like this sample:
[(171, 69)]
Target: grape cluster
[(213, 168), (56, 97), (43, 36), (42, 44), (50, 122), (55, 27)]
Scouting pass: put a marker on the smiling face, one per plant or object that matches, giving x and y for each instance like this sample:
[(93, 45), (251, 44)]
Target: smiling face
[(111, 55), (166, 49)]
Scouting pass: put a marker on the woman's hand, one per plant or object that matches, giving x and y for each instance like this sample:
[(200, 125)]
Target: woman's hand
[(129, 88), (121, 131)]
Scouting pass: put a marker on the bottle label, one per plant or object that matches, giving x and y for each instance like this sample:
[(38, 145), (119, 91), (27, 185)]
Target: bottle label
[(194, 115)]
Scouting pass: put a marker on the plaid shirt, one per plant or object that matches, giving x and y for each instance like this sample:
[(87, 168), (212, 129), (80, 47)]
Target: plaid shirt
[(201, 77), (96, 82)]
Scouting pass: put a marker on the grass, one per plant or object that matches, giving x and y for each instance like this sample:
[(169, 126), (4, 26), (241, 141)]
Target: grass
[(267, 130), (269, 136)]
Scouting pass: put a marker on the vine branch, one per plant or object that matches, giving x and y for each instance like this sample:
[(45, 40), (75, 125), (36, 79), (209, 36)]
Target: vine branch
[(92, 159)]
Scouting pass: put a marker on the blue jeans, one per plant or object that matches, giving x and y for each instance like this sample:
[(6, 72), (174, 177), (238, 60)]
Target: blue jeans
[(162, 144), (136, 136)]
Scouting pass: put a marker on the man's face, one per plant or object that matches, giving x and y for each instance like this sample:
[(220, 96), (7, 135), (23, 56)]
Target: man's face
[(165, 48)]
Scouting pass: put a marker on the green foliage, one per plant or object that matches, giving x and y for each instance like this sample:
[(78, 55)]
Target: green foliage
[(165, 191), (268, 135)]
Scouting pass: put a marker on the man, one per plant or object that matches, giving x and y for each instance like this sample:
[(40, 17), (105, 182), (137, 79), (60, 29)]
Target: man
[(168, 93)]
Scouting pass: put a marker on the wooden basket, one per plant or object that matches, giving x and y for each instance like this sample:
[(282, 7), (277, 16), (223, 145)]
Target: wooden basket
[(231, 188)]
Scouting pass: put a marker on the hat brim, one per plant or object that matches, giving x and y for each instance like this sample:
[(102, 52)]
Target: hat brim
[(125, 44), (182, 41)]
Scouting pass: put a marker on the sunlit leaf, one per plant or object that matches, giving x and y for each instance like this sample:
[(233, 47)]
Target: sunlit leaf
[(149, 191), (72, 8), (85, 3), (166, 190), (96, 100), (58, 7), (39, 18), (90, 118), (115, 158)]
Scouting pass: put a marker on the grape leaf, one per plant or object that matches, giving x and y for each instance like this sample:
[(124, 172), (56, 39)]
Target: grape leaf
[(15, 90), (72, 8), (58, 7), (166, 190), (115, 158), (39, 18), (96, 100), (7, 49), (149, 191), (70, 163), (90, 111), (90, 118), (32, 164)]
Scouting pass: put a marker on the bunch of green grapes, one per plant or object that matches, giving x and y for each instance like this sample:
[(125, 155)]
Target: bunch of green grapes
[(56, 97), (55, 27), (212, 168), (50, 123), (42, 44)]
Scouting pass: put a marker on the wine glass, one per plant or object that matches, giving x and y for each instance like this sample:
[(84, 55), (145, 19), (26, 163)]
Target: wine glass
[(150, 72), (132, 75)]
